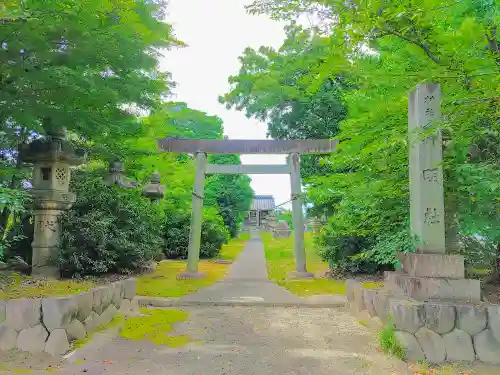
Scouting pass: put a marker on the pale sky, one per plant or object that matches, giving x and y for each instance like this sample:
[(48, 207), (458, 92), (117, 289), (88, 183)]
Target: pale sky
[(217, 32)]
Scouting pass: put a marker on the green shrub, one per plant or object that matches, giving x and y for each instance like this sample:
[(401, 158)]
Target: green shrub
[(108, 229), (340, 252), (389, 343), (213, 234)]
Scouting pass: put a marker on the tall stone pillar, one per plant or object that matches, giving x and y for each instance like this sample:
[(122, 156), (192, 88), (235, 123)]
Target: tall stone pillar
[(426, 172), (52, 157), (429, 273), (196, 220), (298, 218)]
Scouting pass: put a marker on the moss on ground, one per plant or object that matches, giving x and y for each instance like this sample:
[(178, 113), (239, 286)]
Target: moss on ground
[(116, 321), (156, 325), (163, 282), (21, 287), (280, 261)]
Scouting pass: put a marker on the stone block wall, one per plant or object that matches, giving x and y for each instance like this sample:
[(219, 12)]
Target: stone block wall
[(50, 324), (435, 331)]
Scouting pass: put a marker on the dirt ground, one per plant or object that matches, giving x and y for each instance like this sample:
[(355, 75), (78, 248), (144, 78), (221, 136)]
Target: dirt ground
[(239, 341)]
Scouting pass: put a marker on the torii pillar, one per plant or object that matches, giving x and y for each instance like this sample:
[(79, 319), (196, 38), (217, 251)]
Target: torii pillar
[(298, 218)]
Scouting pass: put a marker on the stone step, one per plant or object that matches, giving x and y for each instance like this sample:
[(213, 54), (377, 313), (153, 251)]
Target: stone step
[(432, 265), (423, 288)]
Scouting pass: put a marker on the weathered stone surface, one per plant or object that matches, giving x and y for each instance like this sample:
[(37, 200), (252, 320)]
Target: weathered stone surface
[(102, 299), (57, 343), (407, 315), (32, 339), (58, 312), (136, 309), (125, 307), (368, 296), (8, 337), (494, 321), (357, 303), (381, 305), (85, 303), (433, 265), (23, 313), (487, 347), (76, 330), (92, 322), (349, 289), (3, 314), (129, 287), (425, 170), (116, 294), (471, 319), (121, 285), (458, 346), (432, 344), (440, 317), (423, 288), (108, 314), (408, 341)]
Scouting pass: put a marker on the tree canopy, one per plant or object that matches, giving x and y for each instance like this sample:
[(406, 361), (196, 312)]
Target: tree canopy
[(92, 67), (375, 53)]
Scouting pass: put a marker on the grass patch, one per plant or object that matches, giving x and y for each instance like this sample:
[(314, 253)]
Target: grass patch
[(117, 320), (388, 342), (42, 288), (155, 326), (280, 261), (163, 282), (233, 249)]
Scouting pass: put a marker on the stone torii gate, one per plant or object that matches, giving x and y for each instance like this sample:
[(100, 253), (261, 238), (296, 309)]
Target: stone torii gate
[(200, 148)]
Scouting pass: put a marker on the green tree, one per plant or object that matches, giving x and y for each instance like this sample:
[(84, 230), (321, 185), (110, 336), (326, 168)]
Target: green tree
[(272, 86), (231, 193), (87, 65), (384, 49)]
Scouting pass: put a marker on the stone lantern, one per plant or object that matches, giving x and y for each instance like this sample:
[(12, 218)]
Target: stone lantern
[(271, 222), (154, 190), (117, 177), (51, 157), (316, 225)]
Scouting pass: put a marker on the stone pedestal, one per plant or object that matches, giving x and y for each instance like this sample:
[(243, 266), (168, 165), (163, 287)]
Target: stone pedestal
[(46, 242), (429, 288), (433, 265)]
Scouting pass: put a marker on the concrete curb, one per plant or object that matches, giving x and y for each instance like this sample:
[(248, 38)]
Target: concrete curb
[(166, 302)]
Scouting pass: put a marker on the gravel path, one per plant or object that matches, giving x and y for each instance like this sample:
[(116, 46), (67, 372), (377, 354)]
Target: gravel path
[(247, 341), (247, 281)]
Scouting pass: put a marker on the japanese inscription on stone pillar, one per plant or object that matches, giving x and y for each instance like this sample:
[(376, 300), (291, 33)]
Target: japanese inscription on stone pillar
[(426, 174)]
